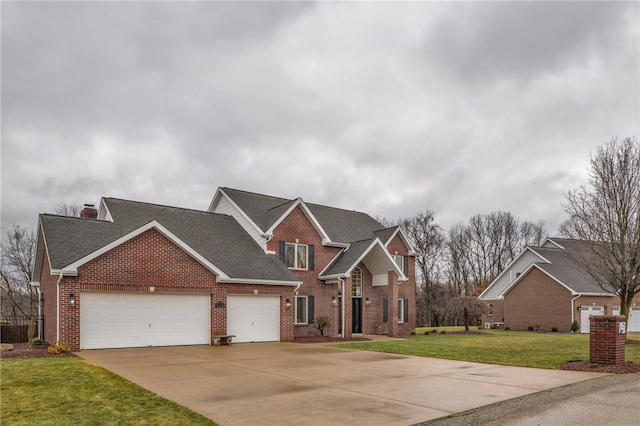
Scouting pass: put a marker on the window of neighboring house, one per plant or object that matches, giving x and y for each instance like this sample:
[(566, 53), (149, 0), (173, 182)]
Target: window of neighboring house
[(399, 261), (400, 310), (301, 308), (295, 255), (356, 283)]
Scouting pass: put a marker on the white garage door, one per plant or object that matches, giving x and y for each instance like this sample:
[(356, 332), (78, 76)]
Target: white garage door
[(253, 318), (126, 320), (634, 319), (585, 313)]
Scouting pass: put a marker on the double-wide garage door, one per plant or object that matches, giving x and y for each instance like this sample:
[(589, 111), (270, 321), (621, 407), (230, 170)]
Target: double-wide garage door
[(126, 320)]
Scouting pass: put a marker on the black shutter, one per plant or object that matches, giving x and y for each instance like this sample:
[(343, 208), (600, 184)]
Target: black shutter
[(406, 266), (406, 310), (385, 310), (311, 257), (281, 254), (310, 309)]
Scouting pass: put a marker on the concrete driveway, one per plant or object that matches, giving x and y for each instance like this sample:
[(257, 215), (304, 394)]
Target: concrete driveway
[(311, 384)]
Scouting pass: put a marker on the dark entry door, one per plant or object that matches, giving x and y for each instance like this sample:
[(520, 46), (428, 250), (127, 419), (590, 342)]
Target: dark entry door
[(356, 311)]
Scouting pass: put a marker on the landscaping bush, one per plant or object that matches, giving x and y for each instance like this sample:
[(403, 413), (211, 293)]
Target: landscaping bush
[(530, 328), (443, 332), (554, 329), (507, 328), (321, 323), (58, 349), (575, 326)]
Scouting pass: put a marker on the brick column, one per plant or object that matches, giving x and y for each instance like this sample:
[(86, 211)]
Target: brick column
[(606, 344), (393, 304)]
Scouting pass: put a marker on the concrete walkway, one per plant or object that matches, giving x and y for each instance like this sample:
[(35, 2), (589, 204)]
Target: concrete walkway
[(314, 384)]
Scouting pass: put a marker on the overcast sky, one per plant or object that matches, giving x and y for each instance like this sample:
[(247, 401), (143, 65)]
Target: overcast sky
[(387, 108)]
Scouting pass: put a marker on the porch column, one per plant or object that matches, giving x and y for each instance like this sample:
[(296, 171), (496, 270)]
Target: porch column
[(392, 292)]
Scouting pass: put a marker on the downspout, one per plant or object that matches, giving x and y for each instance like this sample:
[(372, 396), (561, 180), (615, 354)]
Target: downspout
[(39, 314), (295, 291), (573, 311), (58, 309), (342, 301)]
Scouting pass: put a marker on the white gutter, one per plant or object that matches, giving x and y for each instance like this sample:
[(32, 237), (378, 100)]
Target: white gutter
[(58, 309), (573, 311)]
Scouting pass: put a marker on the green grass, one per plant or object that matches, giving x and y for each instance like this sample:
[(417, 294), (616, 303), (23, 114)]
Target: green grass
[(56, 391), (539, 350)]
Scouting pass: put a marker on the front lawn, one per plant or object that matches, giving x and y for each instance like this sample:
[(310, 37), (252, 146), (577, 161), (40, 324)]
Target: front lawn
[(523, 349), (54, 391)]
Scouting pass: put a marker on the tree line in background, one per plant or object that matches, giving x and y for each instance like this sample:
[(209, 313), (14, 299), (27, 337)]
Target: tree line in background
[(453, 267)]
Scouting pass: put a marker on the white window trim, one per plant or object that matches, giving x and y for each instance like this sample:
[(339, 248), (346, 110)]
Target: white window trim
[(295, 255), (361, 281), (400, 311), (401, 264), (295, 309)]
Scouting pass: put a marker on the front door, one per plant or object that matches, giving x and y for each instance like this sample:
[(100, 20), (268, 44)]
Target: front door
[(356, 313)]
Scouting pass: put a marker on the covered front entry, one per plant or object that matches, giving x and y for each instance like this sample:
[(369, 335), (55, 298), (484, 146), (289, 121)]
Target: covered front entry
[(585, 313), (129, 320), (253, 318)]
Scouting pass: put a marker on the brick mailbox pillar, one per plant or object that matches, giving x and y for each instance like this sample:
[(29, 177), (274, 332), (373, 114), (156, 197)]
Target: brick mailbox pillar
[(606, 343)]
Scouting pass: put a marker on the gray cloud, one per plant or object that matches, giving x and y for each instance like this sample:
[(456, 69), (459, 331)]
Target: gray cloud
[(388, 108)]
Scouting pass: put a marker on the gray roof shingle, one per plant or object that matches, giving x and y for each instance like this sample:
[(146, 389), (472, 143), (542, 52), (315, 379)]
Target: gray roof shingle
[(218, 238), (342, 226), (565, 268)]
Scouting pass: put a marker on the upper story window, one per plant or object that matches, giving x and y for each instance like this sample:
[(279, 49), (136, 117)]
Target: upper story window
[(356, 283), (295, 255), (400, 262)]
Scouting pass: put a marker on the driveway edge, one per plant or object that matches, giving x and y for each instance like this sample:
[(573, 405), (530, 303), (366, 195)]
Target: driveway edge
[(515, 408)]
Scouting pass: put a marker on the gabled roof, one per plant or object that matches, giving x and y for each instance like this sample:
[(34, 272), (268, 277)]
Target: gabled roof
[(558, 260), (217, 241), (358, 252), (338, 225)]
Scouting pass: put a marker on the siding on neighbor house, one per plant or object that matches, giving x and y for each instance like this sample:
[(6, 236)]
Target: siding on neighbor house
[(509, 276)]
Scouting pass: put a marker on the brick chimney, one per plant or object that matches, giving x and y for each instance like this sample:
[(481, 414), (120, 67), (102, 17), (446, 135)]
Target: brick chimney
[(89, 211)]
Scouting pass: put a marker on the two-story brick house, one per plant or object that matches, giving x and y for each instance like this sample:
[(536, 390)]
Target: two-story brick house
[(259, 267)]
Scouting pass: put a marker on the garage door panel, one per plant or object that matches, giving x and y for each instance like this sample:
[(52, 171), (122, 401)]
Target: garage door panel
[(119, 320), (253, 318)]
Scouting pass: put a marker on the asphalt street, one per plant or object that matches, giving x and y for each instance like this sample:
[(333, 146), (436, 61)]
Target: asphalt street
[(608, 400)]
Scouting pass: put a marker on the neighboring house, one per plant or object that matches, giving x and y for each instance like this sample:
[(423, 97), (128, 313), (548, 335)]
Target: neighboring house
[(544, 287), (261, 268)]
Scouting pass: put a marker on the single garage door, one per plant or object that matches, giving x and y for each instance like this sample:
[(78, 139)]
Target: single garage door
[(254, 318), (585, 313), (126, 320), (634, 319)]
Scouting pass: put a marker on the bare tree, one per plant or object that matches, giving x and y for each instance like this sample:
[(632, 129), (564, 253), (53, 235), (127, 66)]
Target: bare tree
[(429, 241), (607, 213), (65, 209), (469, 307), (18, 252), (481, 249)]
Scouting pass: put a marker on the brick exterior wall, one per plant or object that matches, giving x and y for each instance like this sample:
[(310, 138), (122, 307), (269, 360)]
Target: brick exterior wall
[(538, 299), (147, 263), (150, 262), (296, 228), (606, 344), (495, 311)]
